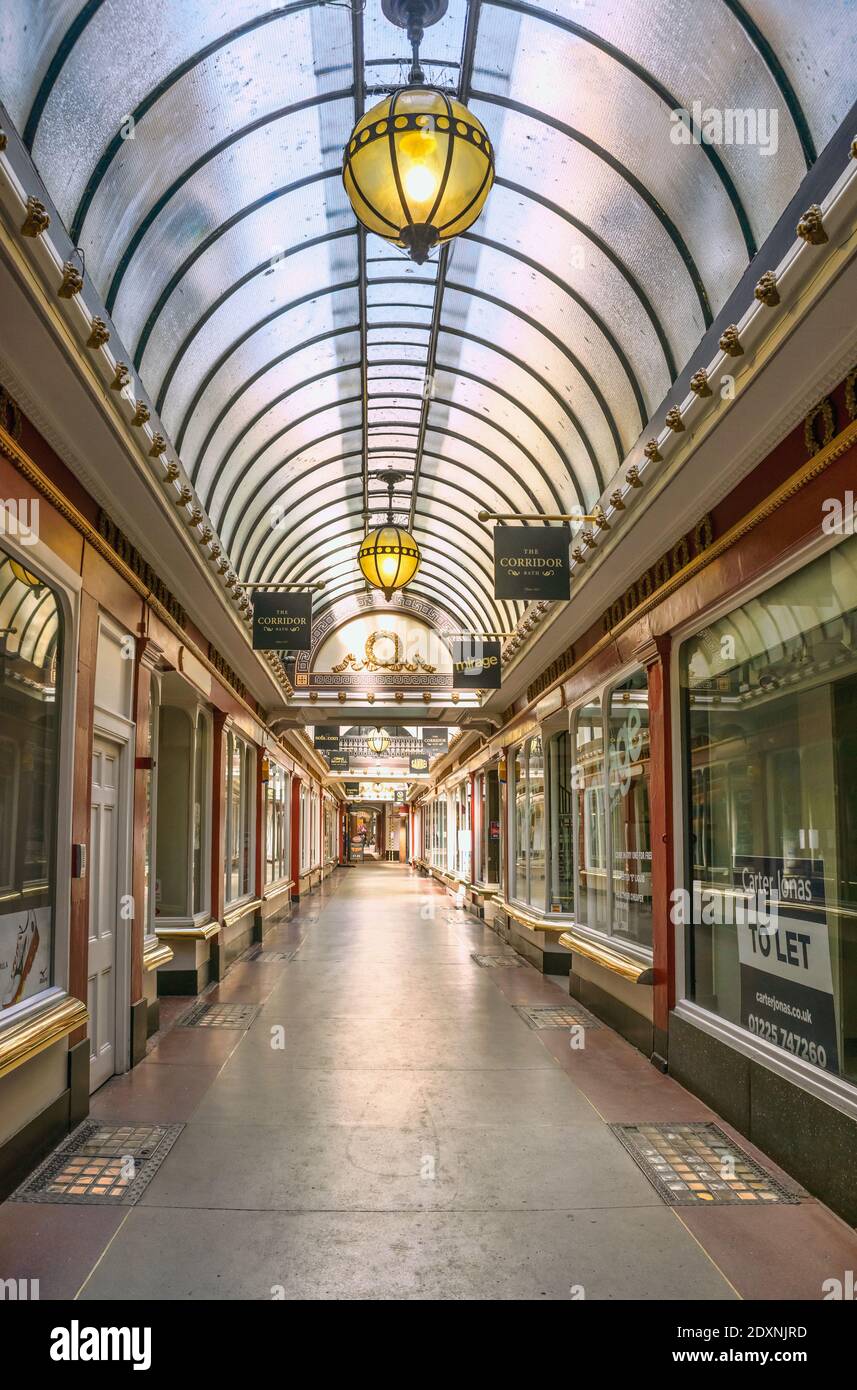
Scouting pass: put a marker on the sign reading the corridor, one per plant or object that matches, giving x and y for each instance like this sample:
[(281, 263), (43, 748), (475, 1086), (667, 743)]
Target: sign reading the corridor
[(784, 952), (476, 664), (282, 622), (326, 740), (418, 763), (338, 762), (435, 741), (531, 562)]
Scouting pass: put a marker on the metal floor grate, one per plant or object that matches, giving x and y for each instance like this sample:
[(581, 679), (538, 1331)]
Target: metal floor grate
[(698, 1165), (557, 1016), (259, 956), (496, 961), (100, 1165), (219, 1016)]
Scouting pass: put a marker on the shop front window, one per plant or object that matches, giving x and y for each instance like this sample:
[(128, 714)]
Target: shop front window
[(528, 824), (589, 818), (462, 804), (240, 814), (769, 697), (561, 828), (489, 827), (31, 635), (630, 830), (276, 824)]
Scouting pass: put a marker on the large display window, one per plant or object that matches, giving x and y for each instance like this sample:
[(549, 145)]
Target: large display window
[(183, 819), (277, 794), (462, 809), (488, 839), (610, 812), (240, 795), (769, 703), (527, 823), (31, 643)]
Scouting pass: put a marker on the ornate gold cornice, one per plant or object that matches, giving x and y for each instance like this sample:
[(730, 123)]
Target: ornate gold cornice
[(25, 1037), (156, 953), (608, 958)]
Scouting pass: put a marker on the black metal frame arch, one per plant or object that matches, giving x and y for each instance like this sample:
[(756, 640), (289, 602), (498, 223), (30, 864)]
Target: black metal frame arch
[(471, 536), (482, 295), (254, 559), (437, 598), (221, 519), (377, 397)]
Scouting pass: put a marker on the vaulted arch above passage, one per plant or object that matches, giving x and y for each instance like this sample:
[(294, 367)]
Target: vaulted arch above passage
[(194, 152)]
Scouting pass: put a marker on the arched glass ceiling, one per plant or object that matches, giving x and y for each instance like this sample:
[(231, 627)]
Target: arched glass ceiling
[(194, 152)]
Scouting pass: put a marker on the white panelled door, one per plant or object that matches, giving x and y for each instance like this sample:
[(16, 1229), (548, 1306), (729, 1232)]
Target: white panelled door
[(103, 911)]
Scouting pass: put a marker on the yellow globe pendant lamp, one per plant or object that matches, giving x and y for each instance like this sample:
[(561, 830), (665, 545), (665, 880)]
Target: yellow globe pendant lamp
[(379, 741), (419, 166), (389, 557)]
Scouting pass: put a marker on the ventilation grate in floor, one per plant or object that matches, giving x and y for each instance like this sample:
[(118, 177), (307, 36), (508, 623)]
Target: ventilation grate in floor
[(100, 1165), (698, 1165), (259, 956), (219, 1016), (557, 1016), (491, 962)]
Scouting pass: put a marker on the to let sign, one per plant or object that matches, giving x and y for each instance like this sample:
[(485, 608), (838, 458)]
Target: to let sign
[(476, 664), (531, 562), (282, 622)]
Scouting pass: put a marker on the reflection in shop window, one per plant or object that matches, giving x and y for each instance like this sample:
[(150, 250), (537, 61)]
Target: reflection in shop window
[(561, 823), (276, 824), (630, 831), (240, 815), (590, 821), (182, 820), (528, 825), (489, 827), (31, 631), (770, 703)]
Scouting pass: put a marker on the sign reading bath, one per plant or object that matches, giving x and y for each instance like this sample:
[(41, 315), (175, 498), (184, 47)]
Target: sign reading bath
[(282, 622), (435, 741), (531, 562), (476, 664)]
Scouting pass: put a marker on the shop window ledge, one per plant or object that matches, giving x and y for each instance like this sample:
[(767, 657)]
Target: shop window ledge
[(628, 966), (204, 932), (156, 953), (278, 891), (532, 921), (236, 913), (24, 1038)]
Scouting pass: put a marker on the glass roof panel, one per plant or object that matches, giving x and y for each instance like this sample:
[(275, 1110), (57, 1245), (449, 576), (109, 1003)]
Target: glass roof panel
[(265, 296), (29, 36), (289, 58), (256, 375), (254, 168)]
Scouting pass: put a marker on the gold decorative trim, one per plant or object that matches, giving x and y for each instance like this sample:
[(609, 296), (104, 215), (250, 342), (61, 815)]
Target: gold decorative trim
[(230, 918), (278, 891), (530, 920), (158, 953), (823, 411), (203, 933), (626, 966), (26, 1037)]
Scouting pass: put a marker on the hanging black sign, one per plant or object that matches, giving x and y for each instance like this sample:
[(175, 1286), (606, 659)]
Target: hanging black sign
[(476, 663), (419, 762), (338, 762), (531, 562), (282, 622), (399, 796), (352, 789), (435, 741), (326, 740)]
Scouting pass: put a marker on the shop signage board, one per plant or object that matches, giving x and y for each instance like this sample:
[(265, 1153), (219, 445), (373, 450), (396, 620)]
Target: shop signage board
[(531, 562), (326, 739), (476, 663), (352, 789), (784, 954), (282, 622), (339, 762), (418, 762), (399, 796), (435, 741)]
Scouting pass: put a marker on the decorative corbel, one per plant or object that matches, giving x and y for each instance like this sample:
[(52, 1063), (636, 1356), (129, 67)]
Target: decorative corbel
[(72, 281), (600, 519), (652, 452), (185, 496), (171, 472), (730, 343), (632, 477), (121, 377), (766, 290), (159, 446), (699, 383), (810, 228), (141, 414), (673, 420), (38, 218), (99, 333), (617, 501)]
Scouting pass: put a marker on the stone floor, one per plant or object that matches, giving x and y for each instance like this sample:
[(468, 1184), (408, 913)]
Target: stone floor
[(411, 1138)]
